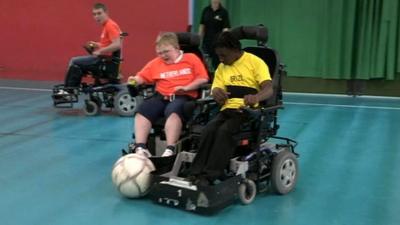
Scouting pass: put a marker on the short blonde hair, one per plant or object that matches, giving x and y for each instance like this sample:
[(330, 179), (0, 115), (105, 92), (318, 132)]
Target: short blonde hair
[(168, 38)]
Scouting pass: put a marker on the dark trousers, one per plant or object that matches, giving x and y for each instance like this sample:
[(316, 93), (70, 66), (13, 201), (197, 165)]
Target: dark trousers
[(156, 107), (209, 50), (77, 67), (217, 145)]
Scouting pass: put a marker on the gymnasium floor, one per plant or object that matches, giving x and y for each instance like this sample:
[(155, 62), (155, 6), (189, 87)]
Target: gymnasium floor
[(55, 165)]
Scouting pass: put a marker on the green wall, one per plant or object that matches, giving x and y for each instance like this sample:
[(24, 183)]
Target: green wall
[(334, 39)]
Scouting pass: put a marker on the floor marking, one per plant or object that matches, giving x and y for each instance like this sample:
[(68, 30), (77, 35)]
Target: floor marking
[(342, 106), (25, 89), (285, 93), (340, 95)]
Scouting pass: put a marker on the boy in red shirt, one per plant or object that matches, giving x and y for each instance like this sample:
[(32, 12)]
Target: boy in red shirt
[(176, 76), (109, 42)]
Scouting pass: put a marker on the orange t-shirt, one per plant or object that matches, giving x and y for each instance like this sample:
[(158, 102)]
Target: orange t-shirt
[(168, 76), (110, 31)]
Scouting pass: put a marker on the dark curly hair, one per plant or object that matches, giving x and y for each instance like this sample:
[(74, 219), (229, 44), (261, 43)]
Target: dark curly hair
[(227, 40)]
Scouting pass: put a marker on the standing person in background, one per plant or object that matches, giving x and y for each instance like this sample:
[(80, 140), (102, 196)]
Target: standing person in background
[(214, 20)]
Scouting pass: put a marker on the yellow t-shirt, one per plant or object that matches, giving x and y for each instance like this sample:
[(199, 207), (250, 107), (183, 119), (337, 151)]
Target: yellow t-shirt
[(244, 75)]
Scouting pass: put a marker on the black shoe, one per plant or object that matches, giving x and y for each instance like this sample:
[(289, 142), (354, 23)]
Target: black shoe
[(191, 178), (202, 181), (139, 149), (131, 148), (124, 152)]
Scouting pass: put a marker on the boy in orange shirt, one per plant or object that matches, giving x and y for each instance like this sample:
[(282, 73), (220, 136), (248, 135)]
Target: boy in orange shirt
[(109, 42), (176, 76)]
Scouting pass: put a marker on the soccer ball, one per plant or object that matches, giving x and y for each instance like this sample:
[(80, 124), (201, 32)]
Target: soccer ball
[(131, 175)]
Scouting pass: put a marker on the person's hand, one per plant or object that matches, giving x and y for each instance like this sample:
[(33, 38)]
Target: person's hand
[(90, 46), (220, 95), (251, 100), (93, 44), (180, 89), (131, 81), (97, 52), (132, 88)]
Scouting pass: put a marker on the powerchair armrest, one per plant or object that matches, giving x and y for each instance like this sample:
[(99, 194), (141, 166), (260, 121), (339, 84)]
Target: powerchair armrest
[(258, 112)]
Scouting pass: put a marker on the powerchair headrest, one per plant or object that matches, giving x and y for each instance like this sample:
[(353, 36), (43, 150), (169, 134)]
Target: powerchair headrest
[(259, 33), (187, 39)]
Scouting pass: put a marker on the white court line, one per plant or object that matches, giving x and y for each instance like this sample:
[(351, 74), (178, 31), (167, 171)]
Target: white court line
[(25, 89), (285, 93), (341, 106), (341, 95)]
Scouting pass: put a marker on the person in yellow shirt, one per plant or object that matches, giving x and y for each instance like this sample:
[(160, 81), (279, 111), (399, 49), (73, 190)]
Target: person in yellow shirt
[(241, 79)]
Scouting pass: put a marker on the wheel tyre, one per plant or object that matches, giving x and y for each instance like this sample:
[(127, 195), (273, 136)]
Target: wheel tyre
[(91, 108), (247, 191), (98, 101), (125, 104), (284, 172)]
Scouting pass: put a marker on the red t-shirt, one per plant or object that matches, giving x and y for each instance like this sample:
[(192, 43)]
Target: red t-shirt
[(168, 76), (110, 31)]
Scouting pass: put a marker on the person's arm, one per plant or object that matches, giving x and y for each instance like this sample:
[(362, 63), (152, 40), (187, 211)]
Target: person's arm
[(218, 88), (264, 80), (265, 92), (95, 45), (219, 95), (192, 86), (144, 75), (202, 27), (201, 30), (135, 80), (226, 21), (199, 71), (114, 46)]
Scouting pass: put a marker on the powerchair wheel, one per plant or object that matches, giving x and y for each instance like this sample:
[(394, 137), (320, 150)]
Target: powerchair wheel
[(125, 104), (247, 191), (284, 172), (91, 108)]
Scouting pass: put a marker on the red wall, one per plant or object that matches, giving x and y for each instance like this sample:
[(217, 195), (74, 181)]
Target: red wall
[(39, 37)]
